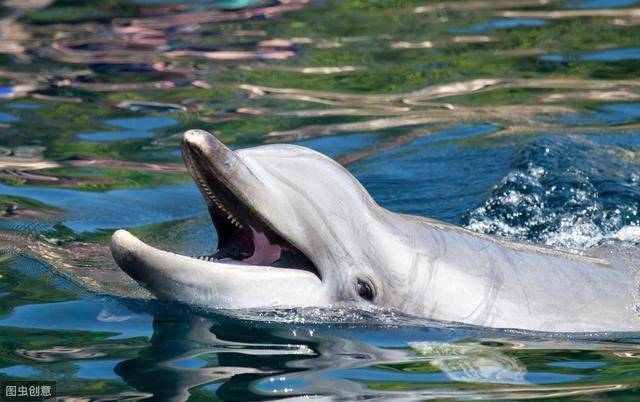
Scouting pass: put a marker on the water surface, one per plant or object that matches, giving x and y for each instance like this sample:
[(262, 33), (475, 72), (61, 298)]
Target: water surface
[(518, 118)]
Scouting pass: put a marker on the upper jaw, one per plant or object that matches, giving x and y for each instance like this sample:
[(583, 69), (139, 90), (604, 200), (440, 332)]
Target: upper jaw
[(208, 158), (225, 181), (216, 170), (208, 146)]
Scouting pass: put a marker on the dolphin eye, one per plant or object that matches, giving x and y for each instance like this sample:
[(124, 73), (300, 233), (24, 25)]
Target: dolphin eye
[(365, 290)]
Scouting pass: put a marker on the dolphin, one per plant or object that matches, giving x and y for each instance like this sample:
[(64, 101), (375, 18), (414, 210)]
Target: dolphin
[(297, 229)]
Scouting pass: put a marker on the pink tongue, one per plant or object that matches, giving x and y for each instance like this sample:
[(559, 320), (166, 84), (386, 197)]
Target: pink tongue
[(264, 252)]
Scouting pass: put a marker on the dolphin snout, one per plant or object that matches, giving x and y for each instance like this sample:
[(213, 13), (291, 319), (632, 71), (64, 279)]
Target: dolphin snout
[(125, 249), (203, 141), (201, 147)]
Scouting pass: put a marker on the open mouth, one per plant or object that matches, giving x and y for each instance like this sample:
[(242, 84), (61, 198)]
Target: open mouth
[(243, 237)]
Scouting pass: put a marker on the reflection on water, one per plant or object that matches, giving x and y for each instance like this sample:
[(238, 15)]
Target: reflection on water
[(182, 353), (517, 118)]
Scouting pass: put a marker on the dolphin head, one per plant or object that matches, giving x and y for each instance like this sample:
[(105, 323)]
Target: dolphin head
[(288, 221)]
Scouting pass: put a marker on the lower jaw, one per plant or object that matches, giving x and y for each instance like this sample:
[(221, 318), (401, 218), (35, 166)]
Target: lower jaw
[(226, 284)]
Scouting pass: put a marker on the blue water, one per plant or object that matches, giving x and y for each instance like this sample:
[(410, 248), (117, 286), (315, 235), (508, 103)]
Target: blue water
[(86, 315), (587, 4), (612, 55), (8, 118), (510, 23), (140, 127)]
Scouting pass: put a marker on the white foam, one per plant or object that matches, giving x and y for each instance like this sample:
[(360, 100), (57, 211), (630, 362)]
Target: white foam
[(524, 207)]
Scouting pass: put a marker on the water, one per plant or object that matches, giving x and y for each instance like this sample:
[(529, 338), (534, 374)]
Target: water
[(518, 118)]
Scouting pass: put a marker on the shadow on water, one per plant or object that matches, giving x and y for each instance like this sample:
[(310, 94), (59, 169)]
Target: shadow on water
[(223, 357)]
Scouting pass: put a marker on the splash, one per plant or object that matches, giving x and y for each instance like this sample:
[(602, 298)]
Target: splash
[(565, 194)]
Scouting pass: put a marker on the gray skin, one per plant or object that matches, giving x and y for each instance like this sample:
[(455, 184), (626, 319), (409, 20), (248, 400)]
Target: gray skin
[(297, 229)]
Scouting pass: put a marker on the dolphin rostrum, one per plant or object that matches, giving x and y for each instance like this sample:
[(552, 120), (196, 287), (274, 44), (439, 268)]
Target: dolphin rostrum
[(297, 229)]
